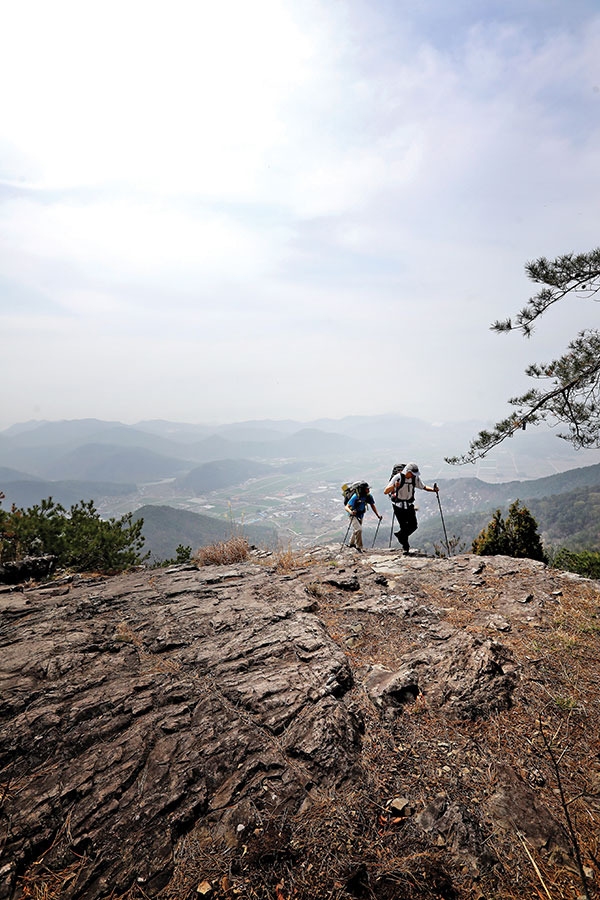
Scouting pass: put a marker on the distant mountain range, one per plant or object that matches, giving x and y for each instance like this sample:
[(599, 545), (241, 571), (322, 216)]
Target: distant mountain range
[(165, 528), (8, 475), (73, 448), (92, 449), (30, 492), (114, 463), (305, 443), (156, 462)]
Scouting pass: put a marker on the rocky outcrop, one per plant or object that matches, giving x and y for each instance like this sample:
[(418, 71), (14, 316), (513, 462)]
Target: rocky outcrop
[(465, 675), (140, 709), (26, 569), (133, 706)]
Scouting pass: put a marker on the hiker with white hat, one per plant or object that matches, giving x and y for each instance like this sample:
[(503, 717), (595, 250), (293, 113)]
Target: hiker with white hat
[(402, 488)]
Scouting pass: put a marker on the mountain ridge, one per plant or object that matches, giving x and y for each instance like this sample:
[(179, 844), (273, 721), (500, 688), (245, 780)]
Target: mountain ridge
[(165, 527)]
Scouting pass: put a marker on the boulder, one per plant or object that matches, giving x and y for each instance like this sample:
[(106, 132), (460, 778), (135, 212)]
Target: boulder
[(26, 569), (464, 676)]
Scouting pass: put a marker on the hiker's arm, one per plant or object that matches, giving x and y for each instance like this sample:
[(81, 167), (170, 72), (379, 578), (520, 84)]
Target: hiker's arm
[(374, 508), (424, 487), (390, 487)]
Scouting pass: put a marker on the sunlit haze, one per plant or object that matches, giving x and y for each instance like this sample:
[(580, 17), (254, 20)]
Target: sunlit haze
[(225, 211)]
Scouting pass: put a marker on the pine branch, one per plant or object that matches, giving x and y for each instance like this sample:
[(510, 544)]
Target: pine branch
[(578, 274), (565, 806), (574, 399)]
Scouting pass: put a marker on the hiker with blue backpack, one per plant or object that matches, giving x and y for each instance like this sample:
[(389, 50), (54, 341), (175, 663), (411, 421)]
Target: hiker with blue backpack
[(402, 490), (357, 496)]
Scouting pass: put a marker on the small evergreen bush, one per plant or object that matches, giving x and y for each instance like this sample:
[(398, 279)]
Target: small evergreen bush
[(183, 554), (79, 538), (586, 562), (516, 536)]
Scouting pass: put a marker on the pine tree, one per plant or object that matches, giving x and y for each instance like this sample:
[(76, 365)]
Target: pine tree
[(517, 536), (492, 541), (79, 538), (521, 530), (570, 385)]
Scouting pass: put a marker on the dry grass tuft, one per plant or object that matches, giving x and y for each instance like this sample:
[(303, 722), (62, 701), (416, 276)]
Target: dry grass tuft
[(43, 884), (235, 550), (125, 634), (288, 560)]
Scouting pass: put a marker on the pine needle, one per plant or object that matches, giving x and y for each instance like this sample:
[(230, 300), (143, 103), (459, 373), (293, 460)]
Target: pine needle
[(534, 864)]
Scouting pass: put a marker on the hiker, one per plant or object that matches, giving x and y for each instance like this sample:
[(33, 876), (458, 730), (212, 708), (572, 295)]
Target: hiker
[(402, 488), (356, 508)]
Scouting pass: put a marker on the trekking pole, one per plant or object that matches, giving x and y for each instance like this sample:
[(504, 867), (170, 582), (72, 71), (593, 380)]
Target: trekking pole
[(443, 523), (391, 530), (346, 535), (376, 533)]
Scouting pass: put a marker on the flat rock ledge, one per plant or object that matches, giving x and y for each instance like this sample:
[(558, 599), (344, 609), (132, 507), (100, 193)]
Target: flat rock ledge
[(137, 707), (133, 706)]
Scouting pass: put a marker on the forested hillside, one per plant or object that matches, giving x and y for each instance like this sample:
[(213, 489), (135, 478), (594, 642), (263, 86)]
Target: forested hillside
[(463, 494), (569, 520), (166, 527)]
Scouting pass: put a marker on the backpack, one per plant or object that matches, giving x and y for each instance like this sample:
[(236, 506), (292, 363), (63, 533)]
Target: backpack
[(400, 484), (360, 488), (397, 486)]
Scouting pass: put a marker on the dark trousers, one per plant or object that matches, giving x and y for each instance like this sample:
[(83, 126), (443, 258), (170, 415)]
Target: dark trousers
[(407, 520)]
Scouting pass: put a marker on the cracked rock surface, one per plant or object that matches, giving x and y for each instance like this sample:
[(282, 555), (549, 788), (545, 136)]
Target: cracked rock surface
[(138, 710), (132, 706)]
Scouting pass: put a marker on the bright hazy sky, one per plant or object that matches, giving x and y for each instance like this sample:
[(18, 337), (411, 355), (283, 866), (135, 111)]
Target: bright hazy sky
[(213, 211)]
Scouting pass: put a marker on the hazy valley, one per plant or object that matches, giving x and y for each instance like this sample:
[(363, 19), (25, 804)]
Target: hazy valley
[(280, 481)]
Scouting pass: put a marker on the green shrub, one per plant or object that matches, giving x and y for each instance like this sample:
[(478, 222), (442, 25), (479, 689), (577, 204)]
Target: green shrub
[(493, 540), (586, 562), (79, 539), (517, 536), (183, 554)]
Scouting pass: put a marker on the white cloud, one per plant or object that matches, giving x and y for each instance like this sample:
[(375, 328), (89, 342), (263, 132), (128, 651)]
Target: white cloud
[(122, 240), (242, 191), (183, 97)]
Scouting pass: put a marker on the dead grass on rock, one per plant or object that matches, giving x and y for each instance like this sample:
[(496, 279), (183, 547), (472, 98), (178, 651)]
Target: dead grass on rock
[(223, 553), (46, 880), (283, 560), (287, 560), (43, 884)]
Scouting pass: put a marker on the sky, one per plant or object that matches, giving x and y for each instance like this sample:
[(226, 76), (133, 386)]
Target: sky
[(287, 208)]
